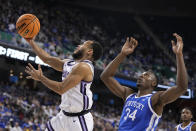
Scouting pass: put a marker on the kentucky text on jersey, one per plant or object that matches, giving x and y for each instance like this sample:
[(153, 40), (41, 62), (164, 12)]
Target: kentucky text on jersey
[(135, 104), (138, 115)]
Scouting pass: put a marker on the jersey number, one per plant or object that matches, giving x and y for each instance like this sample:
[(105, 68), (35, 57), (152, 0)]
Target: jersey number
[(132, 115)]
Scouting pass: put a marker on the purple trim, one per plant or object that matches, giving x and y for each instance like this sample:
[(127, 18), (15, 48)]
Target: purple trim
[(87, 103), (51, 126), (85, 89), (47, 127), (69, 63), (81, 87), (88, 61), (82, 126), (85, 97), (84, 102), (86, 81), (85, 123)]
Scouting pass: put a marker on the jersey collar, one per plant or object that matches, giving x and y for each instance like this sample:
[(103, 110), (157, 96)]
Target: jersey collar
[(142, 96)]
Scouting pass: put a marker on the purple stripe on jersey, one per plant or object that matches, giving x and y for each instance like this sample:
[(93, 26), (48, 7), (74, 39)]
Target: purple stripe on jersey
[(69, 63), (85, 89), (87, 102), (85, 97), (81, 123), (81, 87), (47, 127), (86, 81), (83, 92), (51, 126), (84, 123), (84, 102)]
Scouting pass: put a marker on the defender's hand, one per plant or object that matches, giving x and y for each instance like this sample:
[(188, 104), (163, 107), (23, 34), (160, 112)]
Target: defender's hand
[(34, 74), (129, 46), (177, 47)]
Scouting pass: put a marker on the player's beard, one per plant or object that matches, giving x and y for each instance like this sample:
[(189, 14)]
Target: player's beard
[(78, 55)]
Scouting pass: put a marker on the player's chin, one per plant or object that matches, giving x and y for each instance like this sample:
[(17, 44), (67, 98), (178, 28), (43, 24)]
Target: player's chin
[(184, 119)]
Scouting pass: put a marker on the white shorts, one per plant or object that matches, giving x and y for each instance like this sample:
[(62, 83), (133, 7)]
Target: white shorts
[(62, 122)]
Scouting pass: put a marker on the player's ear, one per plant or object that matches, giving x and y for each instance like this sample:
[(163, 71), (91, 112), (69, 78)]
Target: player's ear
[(154, 83)]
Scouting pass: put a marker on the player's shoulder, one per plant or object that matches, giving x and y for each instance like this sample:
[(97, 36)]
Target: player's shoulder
[(193, 128), (82, 66), (156, 95), (87, 62)]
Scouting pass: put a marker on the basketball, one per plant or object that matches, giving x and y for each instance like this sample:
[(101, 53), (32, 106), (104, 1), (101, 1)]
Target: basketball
[(28, 25)]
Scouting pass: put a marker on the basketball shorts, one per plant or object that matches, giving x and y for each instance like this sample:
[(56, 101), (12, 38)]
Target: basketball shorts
[(61, 122)]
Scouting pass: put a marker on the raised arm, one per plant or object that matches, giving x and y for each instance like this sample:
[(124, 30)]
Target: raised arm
[(80, 72), (173, 93), (107, 75), (54, 62)]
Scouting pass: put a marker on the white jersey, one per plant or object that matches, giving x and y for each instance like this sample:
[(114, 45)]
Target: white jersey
[(78, 98)]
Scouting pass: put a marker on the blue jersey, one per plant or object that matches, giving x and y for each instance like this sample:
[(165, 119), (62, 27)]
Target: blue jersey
[(138, 115), (187, 128)]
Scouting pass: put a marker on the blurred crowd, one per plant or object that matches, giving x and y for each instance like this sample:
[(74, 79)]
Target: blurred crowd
[(22, 108), (63, 27)]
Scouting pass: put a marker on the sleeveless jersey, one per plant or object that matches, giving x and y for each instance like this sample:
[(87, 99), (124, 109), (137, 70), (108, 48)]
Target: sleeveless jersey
[(138, 115), (187, 128), (78, 98)]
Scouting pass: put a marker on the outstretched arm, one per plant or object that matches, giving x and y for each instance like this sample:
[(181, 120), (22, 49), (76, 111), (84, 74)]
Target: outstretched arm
[(107, 75), (81, 72), (173, 93), (54, 62)]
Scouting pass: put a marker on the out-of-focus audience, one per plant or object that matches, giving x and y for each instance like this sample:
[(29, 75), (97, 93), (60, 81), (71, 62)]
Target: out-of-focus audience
[(60, 35)]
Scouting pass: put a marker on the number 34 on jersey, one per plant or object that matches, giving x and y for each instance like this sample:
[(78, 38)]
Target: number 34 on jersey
[(131, 115)]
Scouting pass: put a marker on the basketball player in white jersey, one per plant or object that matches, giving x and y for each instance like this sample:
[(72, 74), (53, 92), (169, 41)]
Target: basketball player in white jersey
[(77, 76), (186, 118)]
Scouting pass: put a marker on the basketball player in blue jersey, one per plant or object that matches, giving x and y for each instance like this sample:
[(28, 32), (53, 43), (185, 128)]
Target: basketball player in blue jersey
[(186, 119), (142, 110), (77, 76)]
